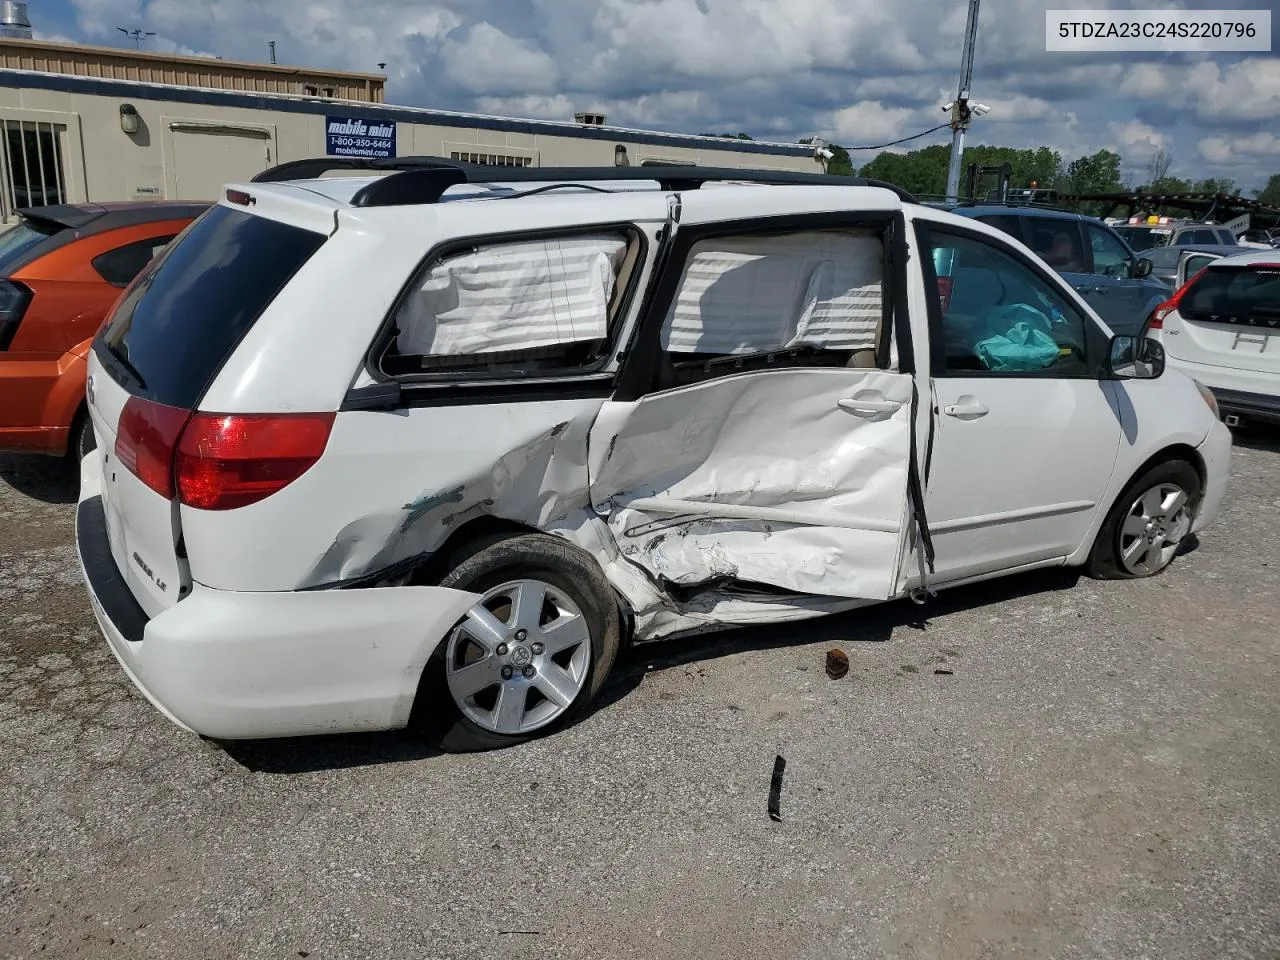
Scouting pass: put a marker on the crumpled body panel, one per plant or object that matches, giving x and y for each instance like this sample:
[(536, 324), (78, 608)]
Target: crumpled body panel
[(763, 478)]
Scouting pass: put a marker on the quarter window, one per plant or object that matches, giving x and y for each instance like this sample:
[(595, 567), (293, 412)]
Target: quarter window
[(119, 266), (528, 306), (765, 301), (998, 316)]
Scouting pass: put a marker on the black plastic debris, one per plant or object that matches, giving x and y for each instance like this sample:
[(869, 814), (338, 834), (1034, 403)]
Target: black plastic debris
[(837, 663), (775, 789)]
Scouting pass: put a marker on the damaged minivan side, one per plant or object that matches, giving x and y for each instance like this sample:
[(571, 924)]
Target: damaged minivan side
[(462, 432)]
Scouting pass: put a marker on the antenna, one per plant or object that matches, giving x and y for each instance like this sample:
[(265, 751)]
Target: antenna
[(137, 35)]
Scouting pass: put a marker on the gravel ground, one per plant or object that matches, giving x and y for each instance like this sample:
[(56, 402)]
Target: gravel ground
[(1042, 767)]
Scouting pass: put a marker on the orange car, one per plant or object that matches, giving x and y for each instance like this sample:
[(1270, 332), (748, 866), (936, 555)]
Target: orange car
[(62, 268)]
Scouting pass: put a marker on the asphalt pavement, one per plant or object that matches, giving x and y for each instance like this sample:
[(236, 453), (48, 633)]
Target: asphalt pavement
[(1044, 766)]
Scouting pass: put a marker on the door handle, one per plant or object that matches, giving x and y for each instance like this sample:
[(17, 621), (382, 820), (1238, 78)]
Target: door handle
[(868, 408), (966, 411)]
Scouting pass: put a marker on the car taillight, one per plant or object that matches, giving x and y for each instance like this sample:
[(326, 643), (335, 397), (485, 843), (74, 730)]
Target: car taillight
[(1156, 320), (145, 440), (14, 300), (225, 461)]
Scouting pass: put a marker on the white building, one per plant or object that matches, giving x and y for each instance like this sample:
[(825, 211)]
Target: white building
[(84, 123)]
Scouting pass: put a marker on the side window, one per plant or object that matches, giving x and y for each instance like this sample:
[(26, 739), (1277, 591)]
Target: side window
[(1202, 236), (1008, 223), (998, 315), (119, 266), (1110, 258), (541, 306), (1226, 237), (1196, 264), (1057, 243), (812, 298)]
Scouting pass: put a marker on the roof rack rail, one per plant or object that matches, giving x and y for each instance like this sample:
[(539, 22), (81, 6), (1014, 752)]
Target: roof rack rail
[(417, 180)]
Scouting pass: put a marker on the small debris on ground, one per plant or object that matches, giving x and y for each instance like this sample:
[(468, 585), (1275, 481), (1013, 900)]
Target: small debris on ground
[(775, 789), (837, 663), (942, 673)]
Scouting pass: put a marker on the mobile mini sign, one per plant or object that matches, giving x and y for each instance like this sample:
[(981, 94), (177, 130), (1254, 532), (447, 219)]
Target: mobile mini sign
[(353, 137)]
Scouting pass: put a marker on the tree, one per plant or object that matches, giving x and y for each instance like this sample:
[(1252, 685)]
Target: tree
[(1159, 165), (1211, 185), (924, 171), (1270, 194)]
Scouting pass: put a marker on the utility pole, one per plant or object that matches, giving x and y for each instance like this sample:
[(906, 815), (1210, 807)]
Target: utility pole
[(960, 113), (271, 45)]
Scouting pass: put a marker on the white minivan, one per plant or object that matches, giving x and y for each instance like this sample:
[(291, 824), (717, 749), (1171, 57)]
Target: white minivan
[(423, 444)]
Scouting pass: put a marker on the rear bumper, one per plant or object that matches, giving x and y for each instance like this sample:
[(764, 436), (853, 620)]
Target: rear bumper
[(233, 665), (39, 400), (1251, 406)]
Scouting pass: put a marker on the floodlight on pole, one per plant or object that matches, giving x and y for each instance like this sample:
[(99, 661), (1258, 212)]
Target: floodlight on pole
[(959, 108)]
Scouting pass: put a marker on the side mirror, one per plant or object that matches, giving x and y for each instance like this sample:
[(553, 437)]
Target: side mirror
[(1142, 268), (1135, 358)]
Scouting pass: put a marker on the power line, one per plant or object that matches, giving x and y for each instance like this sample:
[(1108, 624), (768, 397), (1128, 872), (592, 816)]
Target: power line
[(892, 143)]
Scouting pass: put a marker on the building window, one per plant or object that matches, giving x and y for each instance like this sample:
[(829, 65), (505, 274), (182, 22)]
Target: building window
[(33, 174), (327, 92), (310, 90), (491, 159)]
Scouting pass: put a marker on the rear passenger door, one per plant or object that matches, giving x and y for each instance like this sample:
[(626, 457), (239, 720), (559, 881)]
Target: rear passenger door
[(760, 439)]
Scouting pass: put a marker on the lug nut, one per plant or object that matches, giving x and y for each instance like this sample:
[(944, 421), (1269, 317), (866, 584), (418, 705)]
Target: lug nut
[(537, 649), (521, 634), (529, 672), (506, 673), (502, 650)]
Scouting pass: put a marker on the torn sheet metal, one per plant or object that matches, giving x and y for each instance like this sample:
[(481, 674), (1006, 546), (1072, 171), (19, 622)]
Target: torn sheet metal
[(766, 478)]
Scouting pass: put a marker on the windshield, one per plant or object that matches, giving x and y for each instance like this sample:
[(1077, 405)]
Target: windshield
[(1144, 238), (18, 240)]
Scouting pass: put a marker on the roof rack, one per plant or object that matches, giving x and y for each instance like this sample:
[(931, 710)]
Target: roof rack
[(415, 180)]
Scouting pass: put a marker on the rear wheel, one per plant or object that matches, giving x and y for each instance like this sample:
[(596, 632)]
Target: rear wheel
[(529, 657), (81, 441), (1148, 524)]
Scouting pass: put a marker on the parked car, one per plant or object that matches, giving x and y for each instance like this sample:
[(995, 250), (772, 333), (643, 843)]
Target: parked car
[(1173, 265), (1268, 238), (61, 268), (1143, 235), (1088, 254), (1223, 328), (420, 454)]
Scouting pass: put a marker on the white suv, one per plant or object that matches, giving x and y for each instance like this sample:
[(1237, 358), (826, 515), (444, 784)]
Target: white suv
[(1223, 328), (422, 447)]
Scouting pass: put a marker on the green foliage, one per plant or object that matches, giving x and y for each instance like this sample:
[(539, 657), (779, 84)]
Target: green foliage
[(1211, 185), (1271, 192)]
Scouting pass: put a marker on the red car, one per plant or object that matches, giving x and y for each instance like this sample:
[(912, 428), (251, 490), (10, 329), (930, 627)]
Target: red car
[(62, 268)]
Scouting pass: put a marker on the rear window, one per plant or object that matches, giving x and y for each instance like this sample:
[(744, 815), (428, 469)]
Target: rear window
[(1144, 238), (1235, 294), (176, 326), (20, 240)]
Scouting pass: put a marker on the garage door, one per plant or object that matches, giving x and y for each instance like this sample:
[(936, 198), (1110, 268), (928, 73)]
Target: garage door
[(207, 156)]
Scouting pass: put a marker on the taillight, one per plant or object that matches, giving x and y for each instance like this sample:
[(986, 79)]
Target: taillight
[(226, 461), (1156, 320), (145, 440), (14, 300)]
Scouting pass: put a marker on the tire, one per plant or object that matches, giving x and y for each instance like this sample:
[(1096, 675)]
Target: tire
[(81, 441), (1113, 556), (460, 712)]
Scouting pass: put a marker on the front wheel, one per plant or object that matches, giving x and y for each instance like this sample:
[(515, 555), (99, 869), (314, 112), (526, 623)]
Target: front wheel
[(1148, 524), (531, 654)]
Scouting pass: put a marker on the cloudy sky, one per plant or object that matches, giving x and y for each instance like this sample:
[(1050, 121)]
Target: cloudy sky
[(858, 72)]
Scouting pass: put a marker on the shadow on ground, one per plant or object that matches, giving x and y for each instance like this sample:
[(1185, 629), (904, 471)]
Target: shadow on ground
[(869, 625), (43, 478)]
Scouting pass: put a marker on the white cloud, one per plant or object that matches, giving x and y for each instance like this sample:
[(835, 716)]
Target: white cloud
[(1247, 90), (1138, 140), (869, 121), (485, 60), (1233, 151)]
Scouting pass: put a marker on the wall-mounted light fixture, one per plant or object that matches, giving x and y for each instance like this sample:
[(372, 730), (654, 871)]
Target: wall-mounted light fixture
[(129, 119), (620, 158)]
